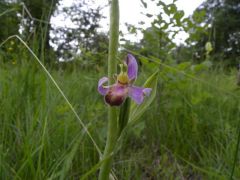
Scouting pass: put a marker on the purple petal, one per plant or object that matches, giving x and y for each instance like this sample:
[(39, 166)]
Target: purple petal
[(102, 89), (132, 67), (147, 91), (138, 93)]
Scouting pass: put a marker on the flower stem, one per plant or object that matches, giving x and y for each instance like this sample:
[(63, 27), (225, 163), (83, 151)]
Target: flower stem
[(112, 111)]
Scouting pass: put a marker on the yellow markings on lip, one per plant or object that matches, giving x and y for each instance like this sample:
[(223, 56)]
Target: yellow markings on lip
[(123, 76)]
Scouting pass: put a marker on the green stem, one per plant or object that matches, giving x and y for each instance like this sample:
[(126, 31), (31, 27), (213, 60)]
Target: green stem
[(112, 111)]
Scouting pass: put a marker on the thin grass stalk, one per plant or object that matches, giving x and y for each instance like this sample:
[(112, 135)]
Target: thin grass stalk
[(58, 88), (236, 153), (112, 111)]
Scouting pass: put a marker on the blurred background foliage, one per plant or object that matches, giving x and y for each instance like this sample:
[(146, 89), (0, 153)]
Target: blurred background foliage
[(189, 132), (31, 21)]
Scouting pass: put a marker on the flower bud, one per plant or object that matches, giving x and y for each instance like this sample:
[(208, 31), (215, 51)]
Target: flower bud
[(208, 47)]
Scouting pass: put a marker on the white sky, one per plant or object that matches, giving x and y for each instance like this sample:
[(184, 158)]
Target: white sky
[(130, 12)]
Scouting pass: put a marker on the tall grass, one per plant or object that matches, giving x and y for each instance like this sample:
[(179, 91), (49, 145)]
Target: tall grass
[(39, 134), (189, 132)]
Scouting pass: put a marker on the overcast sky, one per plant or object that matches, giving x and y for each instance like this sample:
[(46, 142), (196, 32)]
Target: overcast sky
[(130, 12)]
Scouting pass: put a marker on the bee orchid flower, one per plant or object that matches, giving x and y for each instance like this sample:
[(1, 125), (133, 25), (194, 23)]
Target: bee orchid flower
[(116, 94)]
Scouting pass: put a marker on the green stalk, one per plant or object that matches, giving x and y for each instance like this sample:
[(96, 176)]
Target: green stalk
[(112, 111)]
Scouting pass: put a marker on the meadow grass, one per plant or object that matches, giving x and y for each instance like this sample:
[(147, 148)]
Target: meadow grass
[(189, 132)]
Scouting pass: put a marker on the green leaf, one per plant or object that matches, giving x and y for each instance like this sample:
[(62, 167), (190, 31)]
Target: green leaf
[(166, 10), (149, 15), (146, 62), (179, 15), (184, 65), (144, 3), (95, 168), (172, 8), (164, 26), (160, 3), (138, 110), (138, 129), (124, 115), (69, 160)]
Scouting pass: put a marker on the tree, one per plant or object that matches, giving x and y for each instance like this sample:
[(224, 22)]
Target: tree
[(158, 39), (8, 19), (34, 23), (35, 26), (81, 36), (218, 21), (39, 27)]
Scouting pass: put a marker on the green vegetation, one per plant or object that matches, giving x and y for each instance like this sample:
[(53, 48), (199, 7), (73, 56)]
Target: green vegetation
[(190, 131)]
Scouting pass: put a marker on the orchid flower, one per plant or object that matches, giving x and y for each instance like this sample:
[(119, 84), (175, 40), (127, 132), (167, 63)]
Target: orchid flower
[(116, 94)]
